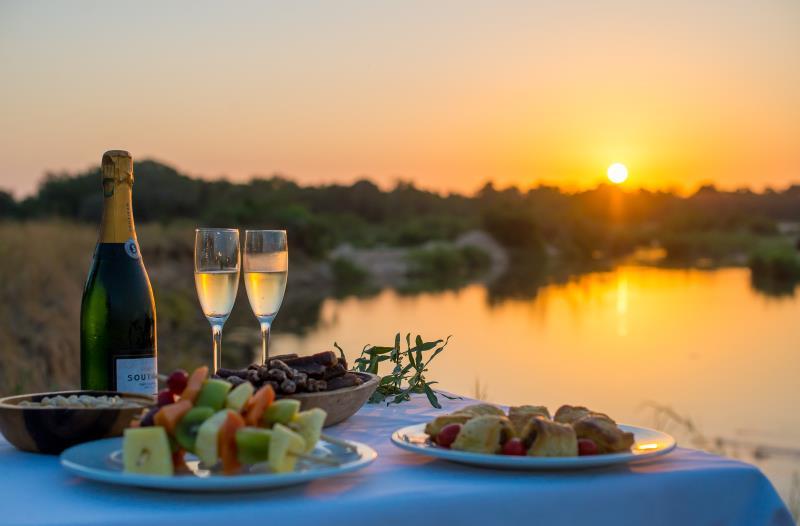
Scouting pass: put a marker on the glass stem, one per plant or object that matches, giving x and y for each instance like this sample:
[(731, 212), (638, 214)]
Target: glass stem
[(216, 333), (265, 326)]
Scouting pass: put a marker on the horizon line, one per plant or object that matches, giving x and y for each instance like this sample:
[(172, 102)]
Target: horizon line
[(568, 189)]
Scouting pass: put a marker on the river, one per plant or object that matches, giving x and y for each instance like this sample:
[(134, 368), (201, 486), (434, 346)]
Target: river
[(699, 353)]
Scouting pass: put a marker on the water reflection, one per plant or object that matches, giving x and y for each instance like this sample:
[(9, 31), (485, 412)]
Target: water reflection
[(706, 343), (703, 342), (622, 305), (773, 287)]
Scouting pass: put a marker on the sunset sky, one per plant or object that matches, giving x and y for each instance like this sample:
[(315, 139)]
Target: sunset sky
[(449, 94)]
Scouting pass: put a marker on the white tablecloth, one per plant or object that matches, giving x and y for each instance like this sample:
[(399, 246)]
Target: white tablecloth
[(683, 488)]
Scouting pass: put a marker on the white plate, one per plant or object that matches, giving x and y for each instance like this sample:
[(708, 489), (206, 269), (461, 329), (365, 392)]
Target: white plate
[(649, 444), (99, 460)]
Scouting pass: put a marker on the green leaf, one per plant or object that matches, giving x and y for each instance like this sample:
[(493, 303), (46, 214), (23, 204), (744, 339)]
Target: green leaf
[(432, 397), (377, 397), (410, 355), (437, 351), (396, 348), (373, 365), (402, 397), (372, 351), (341, 351), (397, 387)]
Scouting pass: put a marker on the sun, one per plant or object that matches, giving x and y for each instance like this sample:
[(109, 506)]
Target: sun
[(617, 173)]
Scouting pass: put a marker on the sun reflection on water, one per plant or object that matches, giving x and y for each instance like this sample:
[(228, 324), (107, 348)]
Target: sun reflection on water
[(622, 305)]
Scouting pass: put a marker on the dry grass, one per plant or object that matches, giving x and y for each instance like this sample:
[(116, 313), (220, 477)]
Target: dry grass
[(43, 267), (480, 390)]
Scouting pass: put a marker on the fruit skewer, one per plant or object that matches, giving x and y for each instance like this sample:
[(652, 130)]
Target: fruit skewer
[(222, 425), (324, 436)]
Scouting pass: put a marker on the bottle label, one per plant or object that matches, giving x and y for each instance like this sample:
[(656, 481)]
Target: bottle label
[(131, 249), (137, 375)]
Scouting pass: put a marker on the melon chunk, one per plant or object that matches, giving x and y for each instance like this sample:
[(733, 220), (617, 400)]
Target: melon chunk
[(146, 451), (252, 444), (213, 394), (281, 411), (206, 447), (308, 424), (239, 396), (284, 445)]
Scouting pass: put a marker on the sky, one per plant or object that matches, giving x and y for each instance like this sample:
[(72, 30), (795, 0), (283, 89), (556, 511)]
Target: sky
[(448, 94)]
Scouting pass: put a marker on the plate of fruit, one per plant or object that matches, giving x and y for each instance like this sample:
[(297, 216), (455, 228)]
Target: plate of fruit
[(211, 436), (527, 437)]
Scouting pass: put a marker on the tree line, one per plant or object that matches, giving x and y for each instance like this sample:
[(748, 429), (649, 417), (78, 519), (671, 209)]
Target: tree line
[(605, 220)]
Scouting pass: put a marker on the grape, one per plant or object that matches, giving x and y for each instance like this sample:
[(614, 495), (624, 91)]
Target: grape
[(514, 446), (147, 419), (448, 435), (165, 397), (177, 381), (586, 446)]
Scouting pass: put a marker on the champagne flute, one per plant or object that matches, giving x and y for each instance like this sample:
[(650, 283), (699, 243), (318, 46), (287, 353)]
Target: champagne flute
[(266, 268), (217, 262)]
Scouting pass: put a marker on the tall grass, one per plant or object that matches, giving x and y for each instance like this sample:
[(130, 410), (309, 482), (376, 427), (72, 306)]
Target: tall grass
[(43, 267)]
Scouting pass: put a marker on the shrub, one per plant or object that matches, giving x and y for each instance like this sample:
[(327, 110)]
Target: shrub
[(513, 227), (348, 272), (778, 263), (447, 263)]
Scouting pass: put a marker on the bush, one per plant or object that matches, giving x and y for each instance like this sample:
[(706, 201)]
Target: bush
[(513, 227), (447, 263), (8, 207), (347, 272), (715, 244), (777, 263)]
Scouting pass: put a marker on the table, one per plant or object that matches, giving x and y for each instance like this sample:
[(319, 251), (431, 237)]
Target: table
[(401, 488)]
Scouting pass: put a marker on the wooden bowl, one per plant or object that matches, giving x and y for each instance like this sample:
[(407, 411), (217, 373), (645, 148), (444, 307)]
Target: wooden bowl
[(340, 404), (51, 430)]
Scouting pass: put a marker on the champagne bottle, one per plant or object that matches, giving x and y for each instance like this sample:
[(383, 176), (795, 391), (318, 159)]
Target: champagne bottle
[(118, 314)]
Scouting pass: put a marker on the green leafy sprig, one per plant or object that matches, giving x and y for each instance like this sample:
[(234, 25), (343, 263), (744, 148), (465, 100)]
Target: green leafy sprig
[(408, 373)]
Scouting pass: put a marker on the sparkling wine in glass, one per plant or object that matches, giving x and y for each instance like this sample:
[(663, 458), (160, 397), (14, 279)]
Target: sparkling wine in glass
[(266, 268), (217, 262)]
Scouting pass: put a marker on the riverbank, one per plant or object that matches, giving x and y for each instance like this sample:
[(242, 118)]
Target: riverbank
[(43, 265)]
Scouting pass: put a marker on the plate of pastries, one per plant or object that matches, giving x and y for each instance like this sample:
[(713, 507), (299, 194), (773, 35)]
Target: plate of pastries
[(529, 437)]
